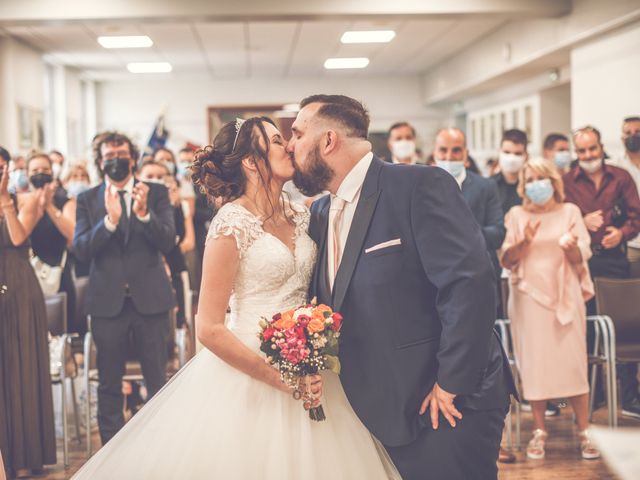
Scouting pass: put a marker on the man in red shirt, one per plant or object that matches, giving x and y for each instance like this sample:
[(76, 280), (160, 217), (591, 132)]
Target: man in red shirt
[(608, 199)]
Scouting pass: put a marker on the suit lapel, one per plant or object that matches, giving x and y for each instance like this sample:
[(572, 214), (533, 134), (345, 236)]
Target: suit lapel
[(357, 233), (100, 206)]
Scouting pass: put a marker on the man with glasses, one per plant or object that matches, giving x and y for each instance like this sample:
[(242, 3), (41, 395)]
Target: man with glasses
[(123, 227), (608, 200)]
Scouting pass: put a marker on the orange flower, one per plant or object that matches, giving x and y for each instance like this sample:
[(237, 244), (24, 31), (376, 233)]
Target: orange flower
[(320, 310), (316, 325), (286, 321)]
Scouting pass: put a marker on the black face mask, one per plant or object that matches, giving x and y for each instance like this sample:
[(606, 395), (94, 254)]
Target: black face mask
[(632, 143), (39, 180), (117, 169)]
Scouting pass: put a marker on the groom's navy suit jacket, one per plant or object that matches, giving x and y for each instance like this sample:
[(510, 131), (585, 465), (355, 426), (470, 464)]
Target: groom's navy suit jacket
[(416, 312)]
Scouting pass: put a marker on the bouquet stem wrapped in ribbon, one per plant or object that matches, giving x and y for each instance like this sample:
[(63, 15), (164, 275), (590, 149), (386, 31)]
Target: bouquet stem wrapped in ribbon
[(300, 342)]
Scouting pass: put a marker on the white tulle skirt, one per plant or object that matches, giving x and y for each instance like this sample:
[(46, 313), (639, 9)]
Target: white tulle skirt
[(213, 422)]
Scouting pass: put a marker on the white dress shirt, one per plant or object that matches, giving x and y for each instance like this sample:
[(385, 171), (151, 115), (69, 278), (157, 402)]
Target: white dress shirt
[(128, 195), (461, 178), (349, 191)]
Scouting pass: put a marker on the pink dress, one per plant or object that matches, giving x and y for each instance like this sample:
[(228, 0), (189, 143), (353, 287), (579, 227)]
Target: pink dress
[(546, 304)]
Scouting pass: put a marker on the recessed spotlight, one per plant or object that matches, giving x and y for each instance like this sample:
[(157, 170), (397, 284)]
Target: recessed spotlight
[(149, 67), (125, 41), (338, 63), (368, 36)]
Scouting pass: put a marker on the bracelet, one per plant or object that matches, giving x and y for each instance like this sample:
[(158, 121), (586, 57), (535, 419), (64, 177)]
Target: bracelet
[(5, 205)]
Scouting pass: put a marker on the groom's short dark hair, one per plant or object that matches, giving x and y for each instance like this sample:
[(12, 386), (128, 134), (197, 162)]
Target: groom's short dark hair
[(348, 111)]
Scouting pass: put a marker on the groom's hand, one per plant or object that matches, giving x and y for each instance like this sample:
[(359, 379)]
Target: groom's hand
[(438, 401)]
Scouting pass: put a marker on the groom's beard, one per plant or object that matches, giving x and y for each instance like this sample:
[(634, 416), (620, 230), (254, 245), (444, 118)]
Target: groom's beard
[(316, 179)]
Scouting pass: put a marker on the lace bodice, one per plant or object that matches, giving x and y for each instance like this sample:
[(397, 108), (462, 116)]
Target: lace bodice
[(271, 277)]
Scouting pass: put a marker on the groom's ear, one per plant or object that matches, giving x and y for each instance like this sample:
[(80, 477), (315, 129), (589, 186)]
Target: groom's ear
[(330, 142)]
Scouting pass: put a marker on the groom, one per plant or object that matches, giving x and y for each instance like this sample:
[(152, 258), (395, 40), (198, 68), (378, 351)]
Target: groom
[(402, 258)]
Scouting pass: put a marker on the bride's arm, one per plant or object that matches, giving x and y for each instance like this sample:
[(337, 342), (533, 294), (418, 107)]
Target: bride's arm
[(220, 265)]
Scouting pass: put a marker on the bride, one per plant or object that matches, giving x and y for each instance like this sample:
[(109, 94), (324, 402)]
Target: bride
[(227, 414)]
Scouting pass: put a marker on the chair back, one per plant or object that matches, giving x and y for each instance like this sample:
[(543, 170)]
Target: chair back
[(56, 308), (80, 284), (504, 295), (620, 300)]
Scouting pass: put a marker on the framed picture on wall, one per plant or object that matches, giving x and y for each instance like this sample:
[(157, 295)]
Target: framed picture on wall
[(217, 116), (25, 127), (30, 128)]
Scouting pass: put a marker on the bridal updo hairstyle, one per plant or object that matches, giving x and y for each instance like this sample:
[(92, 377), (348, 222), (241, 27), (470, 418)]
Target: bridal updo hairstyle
[(217, 169)]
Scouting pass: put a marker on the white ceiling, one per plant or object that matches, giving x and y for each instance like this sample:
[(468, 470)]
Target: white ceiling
[(257, 48)]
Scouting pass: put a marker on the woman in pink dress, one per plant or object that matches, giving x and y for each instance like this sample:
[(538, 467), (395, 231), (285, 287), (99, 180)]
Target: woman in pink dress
[(546, 250)]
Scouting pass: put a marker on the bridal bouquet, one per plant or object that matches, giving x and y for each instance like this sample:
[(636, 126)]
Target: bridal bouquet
[(301, 342)]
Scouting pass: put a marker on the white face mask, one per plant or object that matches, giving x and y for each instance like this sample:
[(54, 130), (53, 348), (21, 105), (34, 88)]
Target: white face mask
[(56, 169), (510, 162), (592, 166), (455, 168), (403, 149)]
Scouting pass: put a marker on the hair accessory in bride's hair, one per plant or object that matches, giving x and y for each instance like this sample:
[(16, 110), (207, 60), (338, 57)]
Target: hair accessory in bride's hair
[(239, 122)]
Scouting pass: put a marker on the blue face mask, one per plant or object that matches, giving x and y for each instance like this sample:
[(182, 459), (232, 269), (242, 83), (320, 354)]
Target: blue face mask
[(562, 159), (18, 181), (540, 191), (76, 187), (454, 168), (183, 170)]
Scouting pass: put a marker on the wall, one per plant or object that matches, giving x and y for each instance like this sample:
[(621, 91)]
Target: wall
[(539, 43), (605, 84), (555, 111), (133, 105), (22, 81)]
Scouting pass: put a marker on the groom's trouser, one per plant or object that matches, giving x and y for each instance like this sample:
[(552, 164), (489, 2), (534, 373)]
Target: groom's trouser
[(467, 452)]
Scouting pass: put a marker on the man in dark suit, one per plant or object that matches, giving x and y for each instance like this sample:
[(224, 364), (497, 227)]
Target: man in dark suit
[(481, 194), (401, 257), (123, 227)]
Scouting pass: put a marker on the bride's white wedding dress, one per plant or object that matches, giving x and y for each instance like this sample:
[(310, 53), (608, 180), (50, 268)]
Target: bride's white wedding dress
[(212, 421)]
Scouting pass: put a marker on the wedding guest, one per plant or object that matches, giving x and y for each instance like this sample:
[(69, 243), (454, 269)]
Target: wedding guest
[(401, 142), (123, 227), (77, 180), (511, 158), (556, 149), (179, 171), (630, 162), (54, 231), (156, 172), (27, 435), (58, 164), (546, 249), (608, 200)]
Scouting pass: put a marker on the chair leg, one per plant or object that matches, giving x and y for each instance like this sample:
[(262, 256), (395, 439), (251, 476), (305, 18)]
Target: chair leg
[(592, 389), (509, 425), (65, 432), (518, 427), (75, 410), (87, 418)]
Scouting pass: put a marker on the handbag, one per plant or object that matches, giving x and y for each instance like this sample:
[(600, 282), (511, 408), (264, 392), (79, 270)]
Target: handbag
[(48, 276)]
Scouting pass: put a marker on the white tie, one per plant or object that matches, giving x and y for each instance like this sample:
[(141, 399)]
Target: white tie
[(337, 210)]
